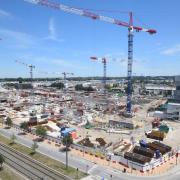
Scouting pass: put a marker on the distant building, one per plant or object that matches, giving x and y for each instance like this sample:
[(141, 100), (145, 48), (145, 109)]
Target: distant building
[(163, 90), (173, 106), (177, 92), (121, 124)]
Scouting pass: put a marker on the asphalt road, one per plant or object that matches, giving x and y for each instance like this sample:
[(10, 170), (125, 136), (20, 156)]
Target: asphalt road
[(84, 165)]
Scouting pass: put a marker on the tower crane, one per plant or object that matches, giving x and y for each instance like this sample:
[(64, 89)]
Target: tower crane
[(31, 68), (91, 15), (104, 61), (65, 77)]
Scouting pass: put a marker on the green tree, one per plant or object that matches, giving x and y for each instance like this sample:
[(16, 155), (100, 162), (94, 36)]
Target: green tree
[(79, 87), (1, 160), (67, 141), (8, 122), (13, 138), (1, 121), (24, 125), (20, 80), (58, 85), (41, 131), (34, 147)]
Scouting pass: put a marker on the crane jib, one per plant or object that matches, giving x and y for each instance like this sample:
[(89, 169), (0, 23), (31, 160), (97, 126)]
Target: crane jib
[(89, 14)]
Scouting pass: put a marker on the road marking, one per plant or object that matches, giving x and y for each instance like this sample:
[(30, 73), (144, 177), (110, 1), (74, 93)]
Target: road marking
[(92, 168)]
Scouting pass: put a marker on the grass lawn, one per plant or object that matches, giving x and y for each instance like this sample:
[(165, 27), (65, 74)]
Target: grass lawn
[(58, 166), (7, 174)]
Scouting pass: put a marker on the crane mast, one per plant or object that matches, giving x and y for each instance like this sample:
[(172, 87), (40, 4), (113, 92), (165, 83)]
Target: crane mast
[(31, 68), (65, 77), (110, 20), (104, 61)]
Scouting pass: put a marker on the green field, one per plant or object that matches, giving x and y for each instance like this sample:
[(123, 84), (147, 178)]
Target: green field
[(7, 174)]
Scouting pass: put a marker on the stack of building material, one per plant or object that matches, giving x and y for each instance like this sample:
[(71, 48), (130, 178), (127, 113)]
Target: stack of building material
[(158, 135), (101, 141), (137, 158), (143, 151), (168, 148), (86, 142), (159, 146)]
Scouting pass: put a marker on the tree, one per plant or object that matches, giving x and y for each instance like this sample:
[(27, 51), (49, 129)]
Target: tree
[(80, 87), (8, 122), (13, 138), (24, 125), (20, 80), (1, 121), (34, 147), (1, 160), (41, 131), (67, 141), (58, 85)]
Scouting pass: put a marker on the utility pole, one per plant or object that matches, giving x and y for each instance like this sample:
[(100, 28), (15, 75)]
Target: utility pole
[(66, 154)]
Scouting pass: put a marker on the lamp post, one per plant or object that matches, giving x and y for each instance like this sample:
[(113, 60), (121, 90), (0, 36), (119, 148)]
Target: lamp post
[(66, 154)]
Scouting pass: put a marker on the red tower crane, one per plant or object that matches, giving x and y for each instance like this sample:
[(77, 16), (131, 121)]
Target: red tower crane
[(94, 16)]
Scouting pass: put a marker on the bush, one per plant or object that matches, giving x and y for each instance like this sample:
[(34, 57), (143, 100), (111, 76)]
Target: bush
[(41, 131), (1, 160), (8, 122)]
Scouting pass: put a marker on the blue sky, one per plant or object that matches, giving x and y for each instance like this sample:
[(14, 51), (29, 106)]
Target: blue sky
[(55, 41)]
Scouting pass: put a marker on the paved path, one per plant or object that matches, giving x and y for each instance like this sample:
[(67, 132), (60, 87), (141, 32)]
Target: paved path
[(92, 168)]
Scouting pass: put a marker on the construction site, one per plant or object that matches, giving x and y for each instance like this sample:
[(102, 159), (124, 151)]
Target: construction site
[(125, 124)]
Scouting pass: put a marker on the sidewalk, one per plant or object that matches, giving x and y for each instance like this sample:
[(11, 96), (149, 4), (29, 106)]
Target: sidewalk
[(156, 171)]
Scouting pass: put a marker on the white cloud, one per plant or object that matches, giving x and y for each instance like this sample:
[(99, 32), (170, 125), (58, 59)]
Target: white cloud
[(53, 31), (17, 39), (5, 14), (172, 51), (68, 64), (58, 62)]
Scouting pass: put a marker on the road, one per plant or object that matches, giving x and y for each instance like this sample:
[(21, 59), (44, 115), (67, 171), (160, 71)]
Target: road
[(82, 164), (28, 167)]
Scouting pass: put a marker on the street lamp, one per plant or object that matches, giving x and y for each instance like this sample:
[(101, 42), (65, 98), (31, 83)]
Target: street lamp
[(66, 153)]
